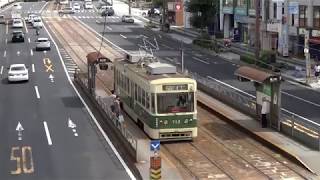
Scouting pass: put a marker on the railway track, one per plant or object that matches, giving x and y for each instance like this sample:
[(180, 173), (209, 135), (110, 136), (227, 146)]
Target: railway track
[(219, 152)]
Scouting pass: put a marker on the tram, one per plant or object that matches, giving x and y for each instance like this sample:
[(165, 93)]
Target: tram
[(161, 101)]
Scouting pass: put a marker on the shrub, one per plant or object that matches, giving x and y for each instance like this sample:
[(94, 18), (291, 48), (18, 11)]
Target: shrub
[(247, 59)]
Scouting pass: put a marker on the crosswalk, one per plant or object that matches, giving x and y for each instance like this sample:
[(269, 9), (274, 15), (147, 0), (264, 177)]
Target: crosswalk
[(68, 16), (70, 64)]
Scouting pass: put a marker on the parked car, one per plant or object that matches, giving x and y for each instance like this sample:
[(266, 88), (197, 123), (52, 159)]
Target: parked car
[(18, 72), (108, 12), (88, 5), (43, 44), (17, 23), (64, 2), (2, 19), (37, 22), (127, 19), (76, 6), (17, 36), (67, 10)]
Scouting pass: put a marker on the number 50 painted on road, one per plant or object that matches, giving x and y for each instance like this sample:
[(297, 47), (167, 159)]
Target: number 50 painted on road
[(25, 156)]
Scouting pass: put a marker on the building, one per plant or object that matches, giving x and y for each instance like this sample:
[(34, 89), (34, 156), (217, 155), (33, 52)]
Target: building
[(283, 24)]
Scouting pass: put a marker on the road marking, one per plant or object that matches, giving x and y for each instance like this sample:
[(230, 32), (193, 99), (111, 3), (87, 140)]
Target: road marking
[(29, 40), (123, 163), (43, 7), (33, 69), (306, 101), (25, 26), (1, 70), (164, 45), (108, 27), (47, 133), (6, 41), (123, 36), (197, 59), (37, 92), (46, 61), (49, 68), (18, 53), (31, 52), (7, 27), (4, 53)]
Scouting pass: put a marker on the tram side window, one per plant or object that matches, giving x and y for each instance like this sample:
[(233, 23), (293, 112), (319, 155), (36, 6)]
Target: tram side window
[(153, 110), (143, 97), (147, 101), (139, 94), (127, 85), (135, 92), (175, 102)]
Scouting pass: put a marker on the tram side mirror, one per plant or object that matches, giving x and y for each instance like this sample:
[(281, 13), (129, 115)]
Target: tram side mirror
[(103, 66)]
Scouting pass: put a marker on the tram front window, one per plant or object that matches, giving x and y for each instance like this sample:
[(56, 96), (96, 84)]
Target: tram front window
[(175, 102)]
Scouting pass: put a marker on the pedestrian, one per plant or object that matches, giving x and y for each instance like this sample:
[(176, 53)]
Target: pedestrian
[(317, 70), (265, 109)]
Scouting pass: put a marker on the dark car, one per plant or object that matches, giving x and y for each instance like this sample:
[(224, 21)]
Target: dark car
[(108, 12), (17, 36)]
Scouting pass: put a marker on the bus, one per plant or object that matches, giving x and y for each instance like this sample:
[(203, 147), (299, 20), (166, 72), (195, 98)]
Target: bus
[(161, 101)]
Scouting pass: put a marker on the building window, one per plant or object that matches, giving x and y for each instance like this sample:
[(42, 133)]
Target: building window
[(274, 10), (228, 3), (302, 16), (316, 16), (241, 3)]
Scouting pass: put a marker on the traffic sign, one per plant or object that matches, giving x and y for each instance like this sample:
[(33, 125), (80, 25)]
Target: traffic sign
[(155, 145), (178, 7)]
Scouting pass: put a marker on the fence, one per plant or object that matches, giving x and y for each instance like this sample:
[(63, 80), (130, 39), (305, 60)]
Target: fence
[(105, 104), (299, 128)]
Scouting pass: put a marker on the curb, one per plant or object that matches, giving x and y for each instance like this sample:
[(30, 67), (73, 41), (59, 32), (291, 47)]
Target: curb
[(256, 137)]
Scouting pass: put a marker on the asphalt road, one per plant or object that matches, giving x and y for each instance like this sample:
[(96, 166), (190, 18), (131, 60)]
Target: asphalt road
[(297, 99), (48, 148)]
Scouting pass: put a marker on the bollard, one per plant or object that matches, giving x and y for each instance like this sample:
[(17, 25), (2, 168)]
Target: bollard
[(155, 167)]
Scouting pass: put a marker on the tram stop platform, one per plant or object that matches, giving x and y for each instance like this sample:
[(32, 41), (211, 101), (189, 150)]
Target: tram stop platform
[(168, 168), (297, 152)]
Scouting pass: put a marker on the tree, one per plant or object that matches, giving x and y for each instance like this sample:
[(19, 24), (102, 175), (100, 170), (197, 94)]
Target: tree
[(157, 3), (204, 12)]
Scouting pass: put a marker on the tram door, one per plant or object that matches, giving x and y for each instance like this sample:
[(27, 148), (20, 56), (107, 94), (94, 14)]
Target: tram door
[(132, 94)]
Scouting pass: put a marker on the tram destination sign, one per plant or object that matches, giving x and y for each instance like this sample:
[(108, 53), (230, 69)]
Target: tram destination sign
[(177, 87)]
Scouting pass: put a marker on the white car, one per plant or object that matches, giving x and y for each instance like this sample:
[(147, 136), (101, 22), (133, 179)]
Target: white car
[(127, 19), (64, 2), (30, 17), (76, 6), (88, 5), (17, 23), (37, 22), (43, 44), (18, 72)]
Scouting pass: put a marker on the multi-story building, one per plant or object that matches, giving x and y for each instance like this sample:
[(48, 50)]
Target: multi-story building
[(283, 23)]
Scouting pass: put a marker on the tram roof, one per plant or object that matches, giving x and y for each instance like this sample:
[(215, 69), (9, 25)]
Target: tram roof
[(142, 72)]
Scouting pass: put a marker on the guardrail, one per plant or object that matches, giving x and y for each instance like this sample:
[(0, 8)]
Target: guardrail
[(298, 127), (7, 4)]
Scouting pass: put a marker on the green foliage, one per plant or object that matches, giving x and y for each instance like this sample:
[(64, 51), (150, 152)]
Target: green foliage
[(205, 41), (204, 12), (157, 3), (247, 58)]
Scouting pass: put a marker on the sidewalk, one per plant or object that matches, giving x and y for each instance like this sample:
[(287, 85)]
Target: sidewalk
[(284, 145)]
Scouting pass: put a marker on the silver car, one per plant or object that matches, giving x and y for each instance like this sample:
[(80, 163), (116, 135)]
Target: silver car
[(43, 44), (127, 19)]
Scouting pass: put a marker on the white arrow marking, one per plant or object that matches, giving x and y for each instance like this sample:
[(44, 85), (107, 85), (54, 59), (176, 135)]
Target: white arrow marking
[(19, 127), (51, 77), (155, 146), (71, 124), (18, 53)]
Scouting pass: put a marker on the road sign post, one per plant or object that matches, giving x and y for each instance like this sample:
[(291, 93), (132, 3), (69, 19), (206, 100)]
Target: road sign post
[(155, 160)]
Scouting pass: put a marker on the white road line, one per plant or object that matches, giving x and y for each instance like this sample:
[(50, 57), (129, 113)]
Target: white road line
[(33, 69), (166, 46), (7, 27), (25, 26), (197, 59), (31, 52), (4, 53), (47, 133), (37, 92), (123, 163), (123, 36), (6, 41), (306, 101), (43, 7), (1, 70), (29, 40), (108, 27)]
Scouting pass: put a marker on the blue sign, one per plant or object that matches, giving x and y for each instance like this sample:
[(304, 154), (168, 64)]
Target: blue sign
[(155, 145), (293, 8)]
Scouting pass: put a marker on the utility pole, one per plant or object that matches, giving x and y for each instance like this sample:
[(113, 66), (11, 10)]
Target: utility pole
[(129, 3), (257, 34), (164, 15)]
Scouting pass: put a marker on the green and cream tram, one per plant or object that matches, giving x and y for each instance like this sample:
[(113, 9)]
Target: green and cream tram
[(160, 100)]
